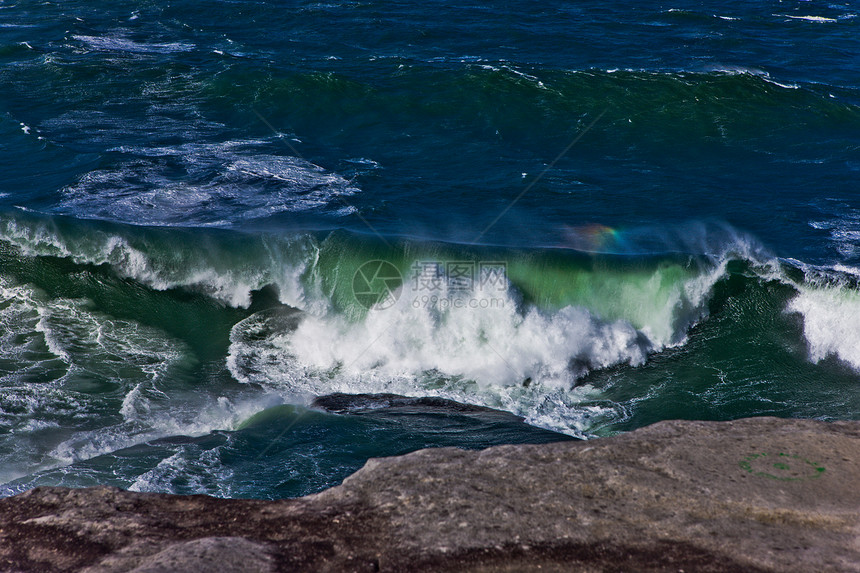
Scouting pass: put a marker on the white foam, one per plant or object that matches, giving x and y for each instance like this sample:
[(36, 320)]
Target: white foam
[(487, 350), (847, 269), (828, 301), (200, 472), (513, 70), (831, 321), (765, 76), (278, 261), (62, 343), (844, 228), (224, 184), (809, 18), (147, 413), (782, 85), (120, 44)]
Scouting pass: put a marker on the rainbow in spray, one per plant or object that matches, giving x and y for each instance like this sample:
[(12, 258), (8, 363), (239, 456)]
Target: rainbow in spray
[(594, 238)]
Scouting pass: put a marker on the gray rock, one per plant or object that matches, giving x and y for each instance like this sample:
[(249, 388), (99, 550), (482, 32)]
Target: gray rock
[(222, 554), (760, 494)]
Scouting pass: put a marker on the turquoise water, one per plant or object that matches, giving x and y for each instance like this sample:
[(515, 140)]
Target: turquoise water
[(589, 217)]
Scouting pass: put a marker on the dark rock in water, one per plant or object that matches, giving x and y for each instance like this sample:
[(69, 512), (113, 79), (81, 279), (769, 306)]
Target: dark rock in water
[(353, 402), (435, 422), (760, 494)]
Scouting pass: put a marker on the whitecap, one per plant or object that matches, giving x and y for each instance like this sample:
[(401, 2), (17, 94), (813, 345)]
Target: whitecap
[(121, 44), (820, 19)]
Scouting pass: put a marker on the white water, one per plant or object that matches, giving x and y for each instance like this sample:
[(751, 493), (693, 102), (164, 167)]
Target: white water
[(227, 277), (76, 383), (223, 184), (831, 320), (475, 347)]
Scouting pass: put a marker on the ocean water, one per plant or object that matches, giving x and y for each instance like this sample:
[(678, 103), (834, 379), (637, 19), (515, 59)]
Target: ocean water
[(246, 247)]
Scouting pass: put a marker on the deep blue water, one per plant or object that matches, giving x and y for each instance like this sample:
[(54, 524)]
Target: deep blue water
[(592, 215)]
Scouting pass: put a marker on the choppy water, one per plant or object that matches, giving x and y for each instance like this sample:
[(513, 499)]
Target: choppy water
[(593, 216)]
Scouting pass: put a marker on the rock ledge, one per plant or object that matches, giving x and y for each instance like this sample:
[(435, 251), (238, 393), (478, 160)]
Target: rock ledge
[(760, 494)]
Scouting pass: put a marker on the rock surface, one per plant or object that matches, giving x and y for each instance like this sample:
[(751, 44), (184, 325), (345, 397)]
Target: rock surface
[(760, 494)]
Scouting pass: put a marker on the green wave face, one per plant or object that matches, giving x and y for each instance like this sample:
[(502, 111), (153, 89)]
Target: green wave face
[(661, 296), (659, 299)]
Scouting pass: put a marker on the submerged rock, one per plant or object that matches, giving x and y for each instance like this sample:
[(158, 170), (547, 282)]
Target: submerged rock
[(760, 494)]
